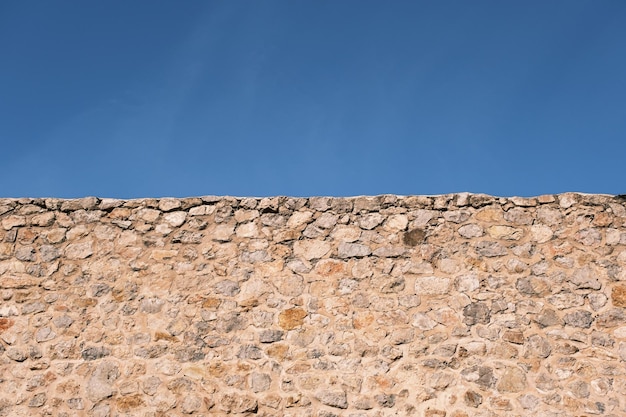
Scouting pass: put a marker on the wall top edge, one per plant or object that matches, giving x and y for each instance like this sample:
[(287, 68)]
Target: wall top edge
[(320, 203)]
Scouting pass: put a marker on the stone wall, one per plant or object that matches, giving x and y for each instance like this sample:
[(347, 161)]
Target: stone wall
[(453, 305)]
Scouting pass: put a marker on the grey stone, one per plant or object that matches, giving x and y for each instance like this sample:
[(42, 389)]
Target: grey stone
[(34, 308), (585, 278), (16, 354), (529, 401), (566, 299), (370, 220), (490, 249), (190, 404), (580, 389), (250, 352), (353, 250), (580, 318), (95, 352), (480, 375), (150, 385), (100, 384), (75, 404), (326, 220), (38, 400), (476, 313), (260, 382), (270, 336), (385, 400), (538, 347), (227, 287), (151, 305), (337, 399), (44, 334), (25, 253), (612, 318), (533, 286), (189, 354), (547, 318)]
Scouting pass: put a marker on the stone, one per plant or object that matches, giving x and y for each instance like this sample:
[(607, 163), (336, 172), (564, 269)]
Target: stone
[(480, 375), (385, 400), (505, 232), (337, 399), (169, 204), (528, 401), (414, 237), (585, 278), (12, 221), (227, 288), (580, 318), (38, 400), (260, 382), (580, 389), (470, 231), (353, 250), (175, 219), (75, 251), (467, 283), (191, 404), (291, 318), (44, 334), (538, 347), (431, 285), (618, 296), (612, 318), (270, 336), (513, 380), (490, 249), (370, 221), (476, 313), (95, 352), (16, 354), (100, 384), (311, 249), (472, 398)]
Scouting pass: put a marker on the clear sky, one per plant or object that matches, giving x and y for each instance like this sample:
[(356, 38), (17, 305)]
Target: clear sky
[(151, 98)]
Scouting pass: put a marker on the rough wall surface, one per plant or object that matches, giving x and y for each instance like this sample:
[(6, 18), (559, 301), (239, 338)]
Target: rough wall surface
[(453, 305)]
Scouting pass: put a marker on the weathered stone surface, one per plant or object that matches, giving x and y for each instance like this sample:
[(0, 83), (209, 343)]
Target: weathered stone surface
[(353, 250), (337, 399), (513, 380), (618, 296), (311, 249), (100, 384), (476, 313), (432, 285), (291, 318), (453, 305), (580, 318)]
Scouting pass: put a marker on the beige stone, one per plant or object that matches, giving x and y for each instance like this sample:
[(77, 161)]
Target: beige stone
[(311, 249)]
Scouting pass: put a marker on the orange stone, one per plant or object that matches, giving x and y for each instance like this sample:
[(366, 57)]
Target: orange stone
[(125, 404), (291, 318), (618, 296), (5, 324)]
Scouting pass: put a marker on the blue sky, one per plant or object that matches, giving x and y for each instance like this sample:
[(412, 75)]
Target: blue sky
[(159, 98)]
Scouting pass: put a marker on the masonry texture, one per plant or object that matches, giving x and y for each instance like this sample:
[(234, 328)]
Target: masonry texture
[(453, 305)]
